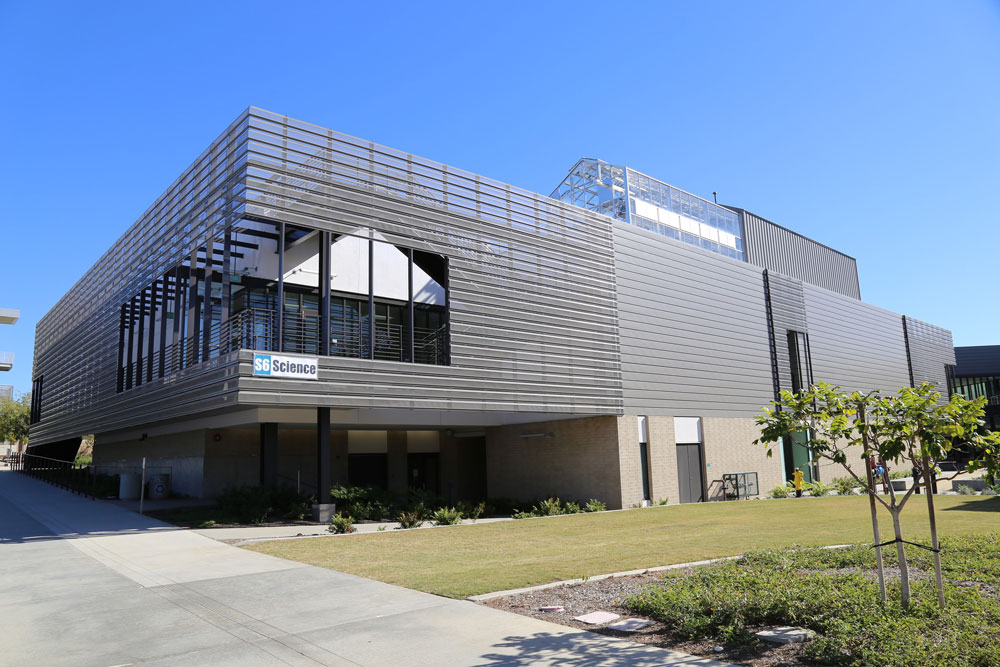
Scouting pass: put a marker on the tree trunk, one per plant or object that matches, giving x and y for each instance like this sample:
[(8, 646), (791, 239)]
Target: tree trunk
[(904, 572), (934, 538), (878, 536)]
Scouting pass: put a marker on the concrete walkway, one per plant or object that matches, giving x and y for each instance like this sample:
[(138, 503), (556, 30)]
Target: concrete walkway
[(87, 583)]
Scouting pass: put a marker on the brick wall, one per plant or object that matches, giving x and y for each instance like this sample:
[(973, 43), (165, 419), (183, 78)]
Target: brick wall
[(728, 448), (580, 460)]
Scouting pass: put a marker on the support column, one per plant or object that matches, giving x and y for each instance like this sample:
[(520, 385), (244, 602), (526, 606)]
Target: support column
[(269, 454), (323, 510), (409, 305)]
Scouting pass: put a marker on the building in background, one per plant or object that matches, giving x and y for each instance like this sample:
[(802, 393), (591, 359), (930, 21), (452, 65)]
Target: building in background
[(304, 305), (7, 316), (976, 374)]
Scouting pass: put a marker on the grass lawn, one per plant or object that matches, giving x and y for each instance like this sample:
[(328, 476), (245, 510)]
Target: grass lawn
[(458, 561)]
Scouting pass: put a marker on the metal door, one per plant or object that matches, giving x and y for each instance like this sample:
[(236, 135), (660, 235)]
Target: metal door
[(690, 473)]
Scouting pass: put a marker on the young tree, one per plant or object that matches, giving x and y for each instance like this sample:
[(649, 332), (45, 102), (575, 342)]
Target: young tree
[(911, 429), (14, 419)]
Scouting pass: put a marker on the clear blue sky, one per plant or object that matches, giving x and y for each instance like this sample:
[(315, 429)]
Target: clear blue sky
[(873, 127)]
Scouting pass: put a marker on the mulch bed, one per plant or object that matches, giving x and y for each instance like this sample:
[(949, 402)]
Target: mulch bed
[(609, 594)]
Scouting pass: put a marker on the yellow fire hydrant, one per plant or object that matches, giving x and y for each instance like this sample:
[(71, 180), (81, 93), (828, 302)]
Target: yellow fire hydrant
[(797, 477)]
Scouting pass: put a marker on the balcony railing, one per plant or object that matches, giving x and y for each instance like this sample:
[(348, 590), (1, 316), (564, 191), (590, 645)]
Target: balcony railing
[(257, 329)]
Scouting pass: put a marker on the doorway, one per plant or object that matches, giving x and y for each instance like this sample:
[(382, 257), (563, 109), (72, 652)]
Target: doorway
[(690, 473)]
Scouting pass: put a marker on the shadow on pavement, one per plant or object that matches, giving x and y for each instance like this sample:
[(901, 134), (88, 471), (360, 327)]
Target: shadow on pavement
[(580, 650)]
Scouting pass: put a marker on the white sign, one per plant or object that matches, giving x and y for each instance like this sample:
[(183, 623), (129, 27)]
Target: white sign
[(277, 366)]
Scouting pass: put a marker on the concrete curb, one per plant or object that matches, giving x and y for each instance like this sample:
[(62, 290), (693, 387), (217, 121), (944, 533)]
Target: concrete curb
[(626, 573)]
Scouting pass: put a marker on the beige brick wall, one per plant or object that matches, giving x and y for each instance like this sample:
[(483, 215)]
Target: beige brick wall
[(577, 462), (663, 459), (728, 448)]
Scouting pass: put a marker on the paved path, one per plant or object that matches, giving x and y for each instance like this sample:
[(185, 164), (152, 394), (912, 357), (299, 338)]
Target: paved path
[(86, 583)]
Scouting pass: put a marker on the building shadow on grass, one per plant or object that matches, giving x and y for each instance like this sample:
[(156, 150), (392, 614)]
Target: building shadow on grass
[(978, 505), (584, 649)]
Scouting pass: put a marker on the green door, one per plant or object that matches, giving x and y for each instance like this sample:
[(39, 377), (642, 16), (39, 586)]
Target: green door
[(797, 456)]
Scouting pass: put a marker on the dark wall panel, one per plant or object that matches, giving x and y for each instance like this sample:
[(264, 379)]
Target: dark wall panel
[(931, 349), (783, 251)]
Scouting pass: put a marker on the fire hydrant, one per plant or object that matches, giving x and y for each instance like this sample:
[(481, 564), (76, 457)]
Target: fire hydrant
[(797, 477)]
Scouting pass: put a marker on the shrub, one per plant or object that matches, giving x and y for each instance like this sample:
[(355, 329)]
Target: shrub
[(447, 516), (965, 490), (409, 520), (571, 508), (547, 507), (206, 524), (521, 515), (819, 489), (341, 524), (780, 491), (845, 485), (663, 501), (470, 511), (257, 504), (594, 505), (991, 491), (364, 503)]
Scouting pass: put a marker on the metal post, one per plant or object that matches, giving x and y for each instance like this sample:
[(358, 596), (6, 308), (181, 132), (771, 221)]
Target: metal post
[(280, 308), (409, 305), (150, 334), (164, 296), (371, 296), (324, 294), (206, 326), (121, 352), (139, 338)]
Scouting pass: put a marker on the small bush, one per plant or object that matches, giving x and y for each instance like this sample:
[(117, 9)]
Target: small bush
[(364, 503), (965, 490), (409, 520), (845, 485), (663, 501), (594, 505), (990, 491), (818, 489), (447, 516), (780, 491), (207, 524), (341, 524), (572, 508), (470, 511), (521, 515), (547, 507)]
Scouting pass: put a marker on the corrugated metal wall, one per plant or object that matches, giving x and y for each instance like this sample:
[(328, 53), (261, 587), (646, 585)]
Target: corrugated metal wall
[(76, 342), (783, 251), (531, 285), (788, 311), (693, 328), (931, 349), (531, 279), (855, 345)]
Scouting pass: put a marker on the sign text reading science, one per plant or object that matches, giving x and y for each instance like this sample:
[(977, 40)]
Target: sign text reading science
[(275, 366)]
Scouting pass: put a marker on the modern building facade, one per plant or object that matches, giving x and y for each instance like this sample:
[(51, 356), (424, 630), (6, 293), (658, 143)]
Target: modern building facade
[(977, 374), (304, 305)]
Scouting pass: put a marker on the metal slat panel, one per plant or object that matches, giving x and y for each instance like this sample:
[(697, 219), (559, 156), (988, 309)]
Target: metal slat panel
[(693, 328)]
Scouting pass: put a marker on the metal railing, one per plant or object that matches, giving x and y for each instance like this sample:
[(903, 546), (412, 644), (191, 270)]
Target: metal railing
[(257, 329), (80, 479)]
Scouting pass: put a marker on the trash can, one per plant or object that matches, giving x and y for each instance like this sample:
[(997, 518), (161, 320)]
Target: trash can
[(129, 484), (159, 486)]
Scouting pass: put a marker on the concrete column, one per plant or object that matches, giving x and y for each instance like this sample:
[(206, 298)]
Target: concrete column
[(396, 461), (269, 454), (324, 509)]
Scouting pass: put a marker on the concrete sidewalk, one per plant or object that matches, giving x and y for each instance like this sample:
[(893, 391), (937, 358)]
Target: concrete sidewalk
[(87, 583)]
